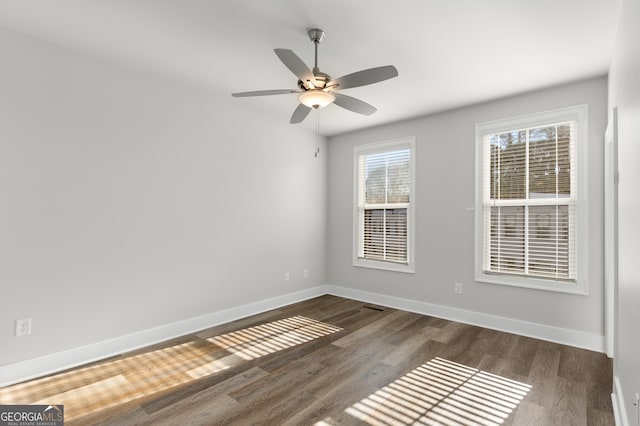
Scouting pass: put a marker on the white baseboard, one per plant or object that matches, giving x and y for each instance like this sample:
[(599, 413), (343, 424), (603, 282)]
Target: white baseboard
[(563, 336), (37, 367), (617, 401)]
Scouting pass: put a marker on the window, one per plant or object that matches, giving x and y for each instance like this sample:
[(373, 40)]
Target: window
[(528, 220), (383, 214)]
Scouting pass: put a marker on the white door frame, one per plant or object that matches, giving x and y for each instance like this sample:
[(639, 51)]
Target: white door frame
[(611, 233)]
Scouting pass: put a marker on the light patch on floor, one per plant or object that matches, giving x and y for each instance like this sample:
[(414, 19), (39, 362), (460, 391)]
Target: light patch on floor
[(442, 392)]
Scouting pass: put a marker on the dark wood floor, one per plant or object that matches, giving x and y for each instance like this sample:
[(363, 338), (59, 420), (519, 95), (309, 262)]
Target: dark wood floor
[(334, 361)]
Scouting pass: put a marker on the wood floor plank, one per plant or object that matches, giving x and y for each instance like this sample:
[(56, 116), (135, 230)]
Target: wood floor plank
[(337, 398), (501, 343), (599, 417), (333, 361), (362, 334), (543, 376), (451, 331), (493, 364), (156, 402), (328, 312), (197, 412), (597, 399), (584, 366), (412, 329), (569, 406), (116, 416), (473, 351), (401, 322), (337, 368), (353, 319), (178, 400), (436, 322), (521, 356), (529, 414), (315, 387), (459, 338), (409, 345), (296, 371), (208, 405)]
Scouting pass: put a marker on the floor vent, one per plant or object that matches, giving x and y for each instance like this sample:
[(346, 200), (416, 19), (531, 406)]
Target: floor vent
[(375, 308)]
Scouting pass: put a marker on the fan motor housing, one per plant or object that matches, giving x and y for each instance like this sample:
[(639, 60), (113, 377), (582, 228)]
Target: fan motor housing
[(321, 82)]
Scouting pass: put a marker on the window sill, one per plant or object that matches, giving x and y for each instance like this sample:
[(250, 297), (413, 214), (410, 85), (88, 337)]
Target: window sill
[(386, 266), (569, 287)]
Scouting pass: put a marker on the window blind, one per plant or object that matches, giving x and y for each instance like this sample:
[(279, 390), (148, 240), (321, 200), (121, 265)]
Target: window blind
[(530, 201), (384, 197)]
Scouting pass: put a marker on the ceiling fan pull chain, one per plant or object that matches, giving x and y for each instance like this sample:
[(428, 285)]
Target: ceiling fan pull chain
[(317, 134)]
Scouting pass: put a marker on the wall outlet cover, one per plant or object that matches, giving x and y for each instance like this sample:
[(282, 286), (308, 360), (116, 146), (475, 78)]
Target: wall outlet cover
[(23, 327)]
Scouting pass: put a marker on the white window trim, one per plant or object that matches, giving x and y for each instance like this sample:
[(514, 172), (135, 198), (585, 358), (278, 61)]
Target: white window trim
[(578, 113), (388, 145)]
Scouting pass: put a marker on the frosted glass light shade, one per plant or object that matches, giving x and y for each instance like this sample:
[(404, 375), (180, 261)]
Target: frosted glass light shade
[(316, 98)]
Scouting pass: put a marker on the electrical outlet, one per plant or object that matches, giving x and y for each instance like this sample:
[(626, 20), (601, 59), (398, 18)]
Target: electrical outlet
[(287, 276), (23, 327), (457, 287), (305, 273)]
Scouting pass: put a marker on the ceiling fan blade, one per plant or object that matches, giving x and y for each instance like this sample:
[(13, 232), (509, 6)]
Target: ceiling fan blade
[(295, 65), (364, 77), (353, 104), (300, 114), (264, 93)]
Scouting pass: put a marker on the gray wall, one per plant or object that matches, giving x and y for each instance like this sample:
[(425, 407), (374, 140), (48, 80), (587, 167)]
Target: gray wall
[(624, 93), (128, 203), (445, 175)]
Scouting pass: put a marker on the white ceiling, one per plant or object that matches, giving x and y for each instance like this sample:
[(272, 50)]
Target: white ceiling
[(448, 53)]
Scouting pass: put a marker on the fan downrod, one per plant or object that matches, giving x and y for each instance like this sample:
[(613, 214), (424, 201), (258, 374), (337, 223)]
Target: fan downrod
[(316, 35)]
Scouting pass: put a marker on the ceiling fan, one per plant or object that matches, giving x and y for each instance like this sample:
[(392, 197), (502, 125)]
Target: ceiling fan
[(317, 89)]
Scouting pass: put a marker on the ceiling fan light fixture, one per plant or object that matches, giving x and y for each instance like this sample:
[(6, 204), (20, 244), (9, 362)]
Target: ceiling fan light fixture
[(315, 87), (316, 98)]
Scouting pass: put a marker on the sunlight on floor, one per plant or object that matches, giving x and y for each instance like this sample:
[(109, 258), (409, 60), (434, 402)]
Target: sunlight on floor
[(255, 342), (110, 383), (106, 384), (442, 392), (264, 339)]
